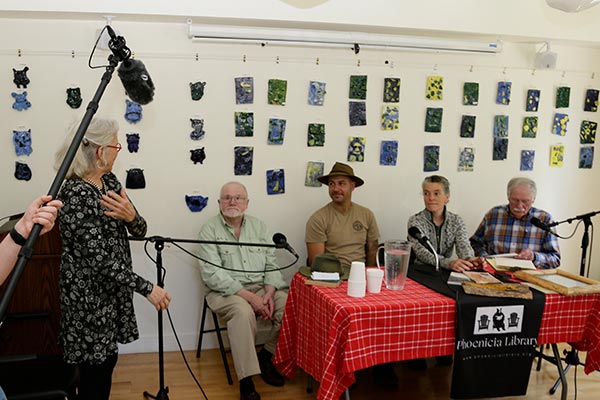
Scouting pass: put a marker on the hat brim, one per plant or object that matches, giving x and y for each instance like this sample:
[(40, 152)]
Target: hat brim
[(305, 270), (325, 179)]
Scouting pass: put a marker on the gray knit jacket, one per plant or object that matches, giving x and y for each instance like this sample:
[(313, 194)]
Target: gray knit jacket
[(454, 233)]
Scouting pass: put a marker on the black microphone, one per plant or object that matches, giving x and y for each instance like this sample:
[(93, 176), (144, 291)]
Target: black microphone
[(417, 234), (536, 222), (424, 240), (136, 81), (281, 243), (133, 74)]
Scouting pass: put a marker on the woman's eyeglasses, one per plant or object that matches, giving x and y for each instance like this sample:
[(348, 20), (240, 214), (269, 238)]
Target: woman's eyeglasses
[(115, 146)]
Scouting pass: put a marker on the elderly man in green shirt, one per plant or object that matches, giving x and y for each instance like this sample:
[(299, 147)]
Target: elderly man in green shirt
[(243, 283)]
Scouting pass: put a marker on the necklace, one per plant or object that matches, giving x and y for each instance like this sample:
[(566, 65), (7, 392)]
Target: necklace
[(91, 182)]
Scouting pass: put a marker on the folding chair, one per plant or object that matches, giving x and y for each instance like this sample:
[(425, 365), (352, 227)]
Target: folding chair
[(217, 329)]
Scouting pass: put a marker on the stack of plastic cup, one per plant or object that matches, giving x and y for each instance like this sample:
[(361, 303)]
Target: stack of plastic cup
[(357, 281)]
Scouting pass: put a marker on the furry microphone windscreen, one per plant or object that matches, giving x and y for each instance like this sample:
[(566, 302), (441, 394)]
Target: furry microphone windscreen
[(136, 81)]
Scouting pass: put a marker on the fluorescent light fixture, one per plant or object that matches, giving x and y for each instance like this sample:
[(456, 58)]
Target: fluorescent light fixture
[(342, 39)]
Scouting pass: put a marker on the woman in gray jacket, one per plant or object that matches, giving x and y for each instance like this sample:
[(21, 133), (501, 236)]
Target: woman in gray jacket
[(445, 229)]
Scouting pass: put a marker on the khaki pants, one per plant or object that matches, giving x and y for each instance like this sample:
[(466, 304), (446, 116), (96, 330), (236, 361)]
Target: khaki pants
[(241, 326)]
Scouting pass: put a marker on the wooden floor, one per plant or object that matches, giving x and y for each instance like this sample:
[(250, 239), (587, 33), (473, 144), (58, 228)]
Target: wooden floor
[(136, 373)]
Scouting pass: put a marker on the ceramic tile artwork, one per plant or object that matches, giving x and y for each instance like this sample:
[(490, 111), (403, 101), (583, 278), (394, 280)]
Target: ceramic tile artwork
[(391, 90), (559, 126), (587, 134), (563, 94), (503, 95), (358, 87), (467, 126), (389, 152), (471, 94), (243, 158), (277, 92), (314, 170), (466, 159), (316, 93), (22, 142), (316, 135), (276, 131), (530, 127), (275, 181), (196, 202), (527, 158), (591, 100), (500, 150), (586, 157), (501, 126), (435, 88), (244, 123), (533, 100), (197, 90), (356, 148), (389, 117), (431, 158), (244, 90), (433, 119), (557, 155), (357, 113)]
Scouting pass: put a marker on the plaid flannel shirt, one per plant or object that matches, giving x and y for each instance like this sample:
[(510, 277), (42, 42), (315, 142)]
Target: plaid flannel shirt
[(500, 232)]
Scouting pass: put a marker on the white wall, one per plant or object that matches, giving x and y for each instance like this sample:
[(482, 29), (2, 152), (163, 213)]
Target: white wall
[(391, 192), (508, 18)]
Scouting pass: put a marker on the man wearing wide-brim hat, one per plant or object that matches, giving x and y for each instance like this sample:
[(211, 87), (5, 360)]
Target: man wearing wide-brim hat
[(349, 231), (342, 227)]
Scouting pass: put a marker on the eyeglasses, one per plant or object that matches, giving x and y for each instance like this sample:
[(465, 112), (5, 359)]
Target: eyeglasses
[(228, 199), (117, 146), (525, 202)]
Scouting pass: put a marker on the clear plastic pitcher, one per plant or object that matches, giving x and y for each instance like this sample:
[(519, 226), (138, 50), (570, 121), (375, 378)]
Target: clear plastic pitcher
[(396, 258)]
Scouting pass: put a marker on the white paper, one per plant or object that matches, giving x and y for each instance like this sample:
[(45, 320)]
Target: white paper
[(502, 255), (325, 276), (457, 278), (506, 262)]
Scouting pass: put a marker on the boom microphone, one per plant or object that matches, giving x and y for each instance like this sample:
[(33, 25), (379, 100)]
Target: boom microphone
[(136, 81), (134, 76), (281, 243)]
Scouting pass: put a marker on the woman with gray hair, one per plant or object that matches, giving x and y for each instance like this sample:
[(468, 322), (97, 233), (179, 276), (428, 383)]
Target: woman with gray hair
[(446, 232), (96, 275), (445, 229)]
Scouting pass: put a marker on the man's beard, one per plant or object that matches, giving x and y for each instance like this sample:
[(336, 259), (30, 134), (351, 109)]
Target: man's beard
[(232, 212)]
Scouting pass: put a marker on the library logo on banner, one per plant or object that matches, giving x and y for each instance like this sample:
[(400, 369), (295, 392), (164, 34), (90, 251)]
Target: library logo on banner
[(498, 320)]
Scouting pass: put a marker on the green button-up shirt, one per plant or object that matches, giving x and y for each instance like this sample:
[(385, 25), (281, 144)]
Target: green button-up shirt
[(255, 264)]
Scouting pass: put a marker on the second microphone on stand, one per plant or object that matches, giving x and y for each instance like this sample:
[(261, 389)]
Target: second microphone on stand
[(281, 243), (416, 233)]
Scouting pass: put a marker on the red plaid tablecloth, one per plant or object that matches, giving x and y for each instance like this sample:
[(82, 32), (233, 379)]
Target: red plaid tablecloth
[(330, 335), (574, 319)]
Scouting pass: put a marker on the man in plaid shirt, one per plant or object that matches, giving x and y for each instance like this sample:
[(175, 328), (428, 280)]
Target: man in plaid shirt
[(507, 228)]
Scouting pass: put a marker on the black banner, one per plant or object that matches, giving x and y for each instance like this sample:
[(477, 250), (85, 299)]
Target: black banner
[(496, 339)]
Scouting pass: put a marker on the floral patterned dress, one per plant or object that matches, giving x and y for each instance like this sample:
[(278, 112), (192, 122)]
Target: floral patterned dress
[(96, 276)]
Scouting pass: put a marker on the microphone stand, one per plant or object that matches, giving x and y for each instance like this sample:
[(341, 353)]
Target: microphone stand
[(159, 244), (585, 241), (435, 254), (571, 356), (27, 250)]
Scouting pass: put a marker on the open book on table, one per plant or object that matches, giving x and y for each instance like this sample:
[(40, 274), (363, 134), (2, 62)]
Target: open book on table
[(504, 262)]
